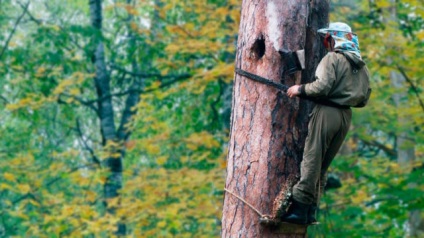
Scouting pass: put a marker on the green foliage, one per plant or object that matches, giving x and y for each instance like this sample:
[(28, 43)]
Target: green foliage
[(375, 200), (379, 191), (51, 173)]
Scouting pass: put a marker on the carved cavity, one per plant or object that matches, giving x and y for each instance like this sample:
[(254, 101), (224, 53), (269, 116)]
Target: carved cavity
[(258, 48)]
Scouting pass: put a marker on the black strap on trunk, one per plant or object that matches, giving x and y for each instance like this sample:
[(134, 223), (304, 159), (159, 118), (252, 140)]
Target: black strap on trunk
[(262, 80), (284, 88)]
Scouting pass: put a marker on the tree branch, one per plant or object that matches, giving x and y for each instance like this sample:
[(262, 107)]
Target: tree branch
[(86, 146), (4, 99), (133, 97), (13, 30), (176, 79), (131, 101), (89, 104), (390, 152), (14, 202), (37, 21), (377, 200), (145, 75), (414, 88)]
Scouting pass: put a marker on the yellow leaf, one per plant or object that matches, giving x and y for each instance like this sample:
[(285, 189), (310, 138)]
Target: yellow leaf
[(9, 177), (161, 224), (113, 202), (359, 197), (12, 44), (4, 186), (161, 160), (152, 149), (17, 67), (131, 10), (24, 188), (184, 159), (134, 26), (74, 91), (116, 155), (34, 203), (420, 35), (91, 196), (382, 3), (40, 72), (130, 145), (221, 11), (55, 27), (12, 107), (201, 139), (67, 211), (18, 214), (112, 144), (48, 219), (191, 146), (8, 203), (189, 26), (223, 164)]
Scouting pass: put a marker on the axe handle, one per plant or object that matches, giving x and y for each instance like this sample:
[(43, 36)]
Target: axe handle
[(262, 80)]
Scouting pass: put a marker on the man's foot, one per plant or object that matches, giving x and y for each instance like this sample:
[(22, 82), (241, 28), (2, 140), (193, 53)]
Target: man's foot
[(298, 213), (311, 213)]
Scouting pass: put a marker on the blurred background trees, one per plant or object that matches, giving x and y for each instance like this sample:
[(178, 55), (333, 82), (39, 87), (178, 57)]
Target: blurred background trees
[(169, 69)]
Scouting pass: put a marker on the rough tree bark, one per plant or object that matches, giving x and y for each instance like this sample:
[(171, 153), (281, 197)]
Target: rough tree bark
[(268, 129)]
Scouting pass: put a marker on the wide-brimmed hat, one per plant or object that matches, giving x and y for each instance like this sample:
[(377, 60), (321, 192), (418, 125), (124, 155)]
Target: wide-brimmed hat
[(336, 26), (344, 38)]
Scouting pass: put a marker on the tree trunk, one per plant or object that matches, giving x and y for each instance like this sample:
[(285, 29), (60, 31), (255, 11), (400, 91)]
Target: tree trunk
[(105, 112), (404, 142), (405, 148), (268, 129)]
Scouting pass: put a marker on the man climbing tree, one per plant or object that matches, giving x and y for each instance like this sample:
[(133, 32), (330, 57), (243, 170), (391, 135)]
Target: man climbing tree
[(268, 129), (342, 81)]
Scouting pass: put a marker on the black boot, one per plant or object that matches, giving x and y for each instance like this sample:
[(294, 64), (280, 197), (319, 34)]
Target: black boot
[(298, 213), (311, 213)]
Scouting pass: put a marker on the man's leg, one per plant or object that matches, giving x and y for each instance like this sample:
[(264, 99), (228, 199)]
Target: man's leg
[(337, 141), (324, 123), (331, 152)]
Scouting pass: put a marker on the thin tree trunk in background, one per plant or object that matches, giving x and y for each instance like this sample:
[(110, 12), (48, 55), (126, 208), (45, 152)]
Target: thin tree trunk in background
[(105, 111), (12, 33), (405, 149), (268, 129), (404, 143), (137, 85)]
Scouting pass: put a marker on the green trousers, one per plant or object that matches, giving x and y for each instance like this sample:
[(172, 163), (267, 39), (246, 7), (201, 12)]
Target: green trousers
[(327, 130)]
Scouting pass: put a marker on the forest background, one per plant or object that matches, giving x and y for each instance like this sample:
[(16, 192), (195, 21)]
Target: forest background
[(141, 148)]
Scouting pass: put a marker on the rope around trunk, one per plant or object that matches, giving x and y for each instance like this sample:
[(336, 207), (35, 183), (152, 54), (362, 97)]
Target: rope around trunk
[(265, 216)]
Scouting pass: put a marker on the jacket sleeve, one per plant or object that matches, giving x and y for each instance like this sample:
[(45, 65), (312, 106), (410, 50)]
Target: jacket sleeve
[(325, 77)]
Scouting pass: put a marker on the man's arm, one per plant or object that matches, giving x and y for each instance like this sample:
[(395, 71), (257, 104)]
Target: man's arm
[(325, 76)]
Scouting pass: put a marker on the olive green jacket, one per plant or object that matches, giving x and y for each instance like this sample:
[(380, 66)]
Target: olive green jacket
[(341, 79)]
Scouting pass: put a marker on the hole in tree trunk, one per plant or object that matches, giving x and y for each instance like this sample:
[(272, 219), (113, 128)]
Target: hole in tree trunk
[(258, 48)]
